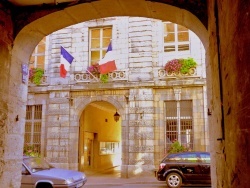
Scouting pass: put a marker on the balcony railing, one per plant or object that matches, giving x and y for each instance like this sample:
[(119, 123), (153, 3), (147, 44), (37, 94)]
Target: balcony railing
[(119, 75), (163, 74), (122, 75)]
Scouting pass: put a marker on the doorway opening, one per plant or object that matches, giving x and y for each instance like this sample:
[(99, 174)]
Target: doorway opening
[(99, 138)]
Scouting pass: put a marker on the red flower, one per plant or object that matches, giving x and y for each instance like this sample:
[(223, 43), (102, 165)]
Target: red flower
[(173, 66), (94, 69)]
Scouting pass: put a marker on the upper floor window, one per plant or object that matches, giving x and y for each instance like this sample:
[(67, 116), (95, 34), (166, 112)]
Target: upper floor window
[(99, 41), (176, 38), (37, 59)]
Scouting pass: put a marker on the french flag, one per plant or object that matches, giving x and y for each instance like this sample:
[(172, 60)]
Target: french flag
[(107, 64), (66, 60)]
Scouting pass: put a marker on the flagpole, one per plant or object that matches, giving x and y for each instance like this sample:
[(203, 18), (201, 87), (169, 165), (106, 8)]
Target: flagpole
[(93, 75)]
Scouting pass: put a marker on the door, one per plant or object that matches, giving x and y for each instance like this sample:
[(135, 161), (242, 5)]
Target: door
[(88, 150)]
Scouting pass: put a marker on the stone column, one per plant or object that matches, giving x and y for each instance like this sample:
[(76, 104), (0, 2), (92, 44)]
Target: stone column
[(177, 93)]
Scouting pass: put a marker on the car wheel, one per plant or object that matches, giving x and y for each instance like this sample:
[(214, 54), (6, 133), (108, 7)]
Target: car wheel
[(44, 185), (174, 180)]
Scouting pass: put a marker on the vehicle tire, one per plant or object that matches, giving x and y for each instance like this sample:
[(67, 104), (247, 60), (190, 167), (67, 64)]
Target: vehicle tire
[(174, 180), (44, 185)]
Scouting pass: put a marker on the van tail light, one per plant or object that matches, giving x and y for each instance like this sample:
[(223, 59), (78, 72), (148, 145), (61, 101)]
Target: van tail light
[(161, 166)]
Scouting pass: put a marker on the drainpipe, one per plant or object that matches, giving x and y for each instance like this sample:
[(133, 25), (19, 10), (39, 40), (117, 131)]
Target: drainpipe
[(177, 93), (219, 67)]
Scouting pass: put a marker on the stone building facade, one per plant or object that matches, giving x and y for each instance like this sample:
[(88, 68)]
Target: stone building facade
[(225, 37), (155, 107)]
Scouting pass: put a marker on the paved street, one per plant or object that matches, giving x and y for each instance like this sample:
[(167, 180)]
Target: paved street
[(111, 178)]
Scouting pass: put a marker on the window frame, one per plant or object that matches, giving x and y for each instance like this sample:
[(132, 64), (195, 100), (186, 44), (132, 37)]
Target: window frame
[(110, 148), (185, 120), (176, 43), (34, 61), (33, 119), (102, 48)]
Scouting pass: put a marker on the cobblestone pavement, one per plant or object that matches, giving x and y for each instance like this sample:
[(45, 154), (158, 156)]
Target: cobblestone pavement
[(111, 178)]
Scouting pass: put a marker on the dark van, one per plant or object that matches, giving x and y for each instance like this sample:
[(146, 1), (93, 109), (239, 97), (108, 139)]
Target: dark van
[(185, 168)]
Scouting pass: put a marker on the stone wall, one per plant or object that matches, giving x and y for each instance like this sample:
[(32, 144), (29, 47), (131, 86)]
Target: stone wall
[(12, 108), (229, 64)]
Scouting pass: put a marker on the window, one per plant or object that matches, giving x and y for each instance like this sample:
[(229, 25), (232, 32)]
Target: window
[(179, 123), (37, 59), (176, 38), (33, 125), (189, 157), (99, 41), (205, 157), (109, 148)]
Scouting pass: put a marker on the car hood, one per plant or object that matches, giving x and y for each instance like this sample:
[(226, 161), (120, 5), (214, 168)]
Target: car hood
[(60, 174)]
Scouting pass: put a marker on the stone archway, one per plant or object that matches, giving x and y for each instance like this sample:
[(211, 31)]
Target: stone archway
[(85, 101), (101, 104), (31, 34), (233, 81)]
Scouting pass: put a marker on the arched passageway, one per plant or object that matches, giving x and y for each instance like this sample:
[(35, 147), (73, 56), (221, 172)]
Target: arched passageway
[(224, 49), (99, 142)]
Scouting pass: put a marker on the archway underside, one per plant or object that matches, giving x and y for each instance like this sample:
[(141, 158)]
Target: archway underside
[(42, 22)]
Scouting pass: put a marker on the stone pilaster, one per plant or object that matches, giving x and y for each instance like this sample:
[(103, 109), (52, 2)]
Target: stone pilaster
[(141, 132), (58, 128)]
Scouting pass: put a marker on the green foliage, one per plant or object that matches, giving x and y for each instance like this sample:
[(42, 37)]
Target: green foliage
[(95, 70), (104, 78), (35, 75), (176, 147), (187, 64), (30, 150)]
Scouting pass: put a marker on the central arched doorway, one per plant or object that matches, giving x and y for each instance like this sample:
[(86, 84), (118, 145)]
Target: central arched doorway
[(99, 138)]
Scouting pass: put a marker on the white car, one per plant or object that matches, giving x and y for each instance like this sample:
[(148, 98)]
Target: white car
[(38, 173)]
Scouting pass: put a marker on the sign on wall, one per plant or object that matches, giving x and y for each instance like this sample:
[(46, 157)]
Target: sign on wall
[(25, 73)]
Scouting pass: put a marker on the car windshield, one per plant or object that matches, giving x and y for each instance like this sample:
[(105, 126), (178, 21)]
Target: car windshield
[(36, 164)]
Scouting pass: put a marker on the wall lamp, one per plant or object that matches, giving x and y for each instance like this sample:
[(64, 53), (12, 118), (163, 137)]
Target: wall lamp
[(116, 116)]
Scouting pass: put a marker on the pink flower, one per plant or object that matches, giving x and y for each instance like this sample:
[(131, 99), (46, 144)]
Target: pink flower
[(173, 66)]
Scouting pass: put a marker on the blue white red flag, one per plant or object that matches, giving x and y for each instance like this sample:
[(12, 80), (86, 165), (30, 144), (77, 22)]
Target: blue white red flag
[(66, 60), (107, 64)]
